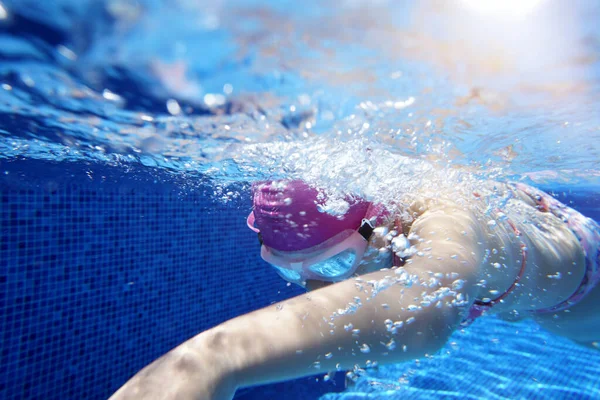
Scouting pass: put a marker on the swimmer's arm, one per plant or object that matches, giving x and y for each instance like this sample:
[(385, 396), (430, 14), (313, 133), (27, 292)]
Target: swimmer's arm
[(304, 336), (294, 338)]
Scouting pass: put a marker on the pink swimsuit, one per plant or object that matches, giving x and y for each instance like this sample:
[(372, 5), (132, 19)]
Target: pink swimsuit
[(585, 229)]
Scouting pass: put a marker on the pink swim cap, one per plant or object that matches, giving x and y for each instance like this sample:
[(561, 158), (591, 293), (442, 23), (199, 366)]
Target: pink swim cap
[(286, 214)]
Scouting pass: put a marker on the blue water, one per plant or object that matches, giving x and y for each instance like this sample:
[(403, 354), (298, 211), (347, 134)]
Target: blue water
[(210, 95)]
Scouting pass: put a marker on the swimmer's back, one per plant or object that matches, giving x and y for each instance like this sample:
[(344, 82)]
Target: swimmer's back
[(511, 220)]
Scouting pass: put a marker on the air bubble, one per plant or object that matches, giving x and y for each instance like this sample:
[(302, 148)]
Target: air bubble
[(388, 324), (458, 284), (391, 345), (557, 276), (400, 244)]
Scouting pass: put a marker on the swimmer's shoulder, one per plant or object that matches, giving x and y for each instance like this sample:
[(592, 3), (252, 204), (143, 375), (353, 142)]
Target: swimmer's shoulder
[(429, 206), (441, 200), (472, 203), (475, 201)]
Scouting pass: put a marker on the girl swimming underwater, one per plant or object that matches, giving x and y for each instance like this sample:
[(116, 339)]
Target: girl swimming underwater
[(389, 284)]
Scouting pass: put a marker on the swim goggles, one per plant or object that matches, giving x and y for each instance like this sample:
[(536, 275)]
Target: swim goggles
[(333, 260)]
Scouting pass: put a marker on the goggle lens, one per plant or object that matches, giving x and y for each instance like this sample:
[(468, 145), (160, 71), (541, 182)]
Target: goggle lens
[(335, 266), (287, 274)]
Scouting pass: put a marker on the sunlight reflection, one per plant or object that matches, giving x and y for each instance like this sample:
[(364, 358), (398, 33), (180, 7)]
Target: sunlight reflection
[(503, 8), (3, 12)]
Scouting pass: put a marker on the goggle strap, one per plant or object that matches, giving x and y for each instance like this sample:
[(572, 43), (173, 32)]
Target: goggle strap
[(366, 229), (375, 211)]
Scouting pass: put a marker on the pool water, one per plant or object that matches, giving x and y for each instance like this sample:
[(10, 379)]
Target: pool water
[(130, 131)]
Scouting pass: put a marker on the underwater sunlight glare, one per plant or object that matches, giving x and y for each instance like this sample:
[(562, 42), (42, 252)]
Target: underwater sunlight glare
[(509, 9)]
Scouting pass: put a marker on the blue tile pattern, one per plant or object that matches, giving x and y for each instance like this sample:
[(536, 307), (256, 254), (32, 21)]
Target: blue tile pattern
[(101, 272), (492, 359)]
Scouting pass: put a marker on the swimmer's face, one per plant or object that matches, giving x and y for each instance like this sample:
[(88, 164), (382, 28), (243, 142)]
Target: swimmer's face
[(374, 263), (374, 260), (345, 256)]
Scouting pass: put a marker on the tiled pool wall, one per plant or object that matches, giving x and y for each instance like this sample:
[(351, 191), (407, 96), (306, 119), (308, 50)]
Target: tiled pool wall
[(102, 271)]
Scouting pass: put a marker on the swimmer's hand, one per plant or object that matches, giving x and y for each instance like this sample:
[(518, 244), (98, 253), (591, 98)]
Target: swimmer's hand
[(190, 371)]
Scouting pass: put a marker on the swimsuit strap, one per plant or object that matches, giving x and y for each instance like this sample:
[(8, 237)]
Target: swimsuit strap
[(519, 275), (480, 307)]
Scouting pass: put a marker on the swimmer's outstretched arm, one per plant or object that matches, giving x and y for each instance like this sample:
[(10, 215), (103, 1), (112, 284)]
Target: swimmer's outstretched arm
[(310, 334)]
